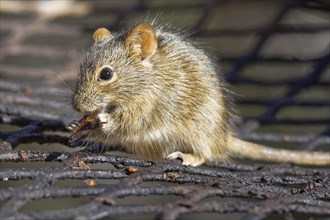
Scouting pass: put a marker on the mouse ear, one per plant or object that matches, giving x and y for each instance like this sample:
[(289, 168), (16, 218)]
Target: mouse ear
[(100, 34), (142, 41)]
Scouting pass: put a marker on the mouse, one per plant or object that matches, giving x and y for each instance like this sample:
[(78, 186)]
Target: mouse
[(158, 96)]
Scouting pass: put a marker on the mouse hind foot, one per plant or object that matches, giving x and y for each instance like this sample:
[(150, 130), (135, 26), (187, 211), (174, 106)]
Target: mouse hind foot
[(187, 159)]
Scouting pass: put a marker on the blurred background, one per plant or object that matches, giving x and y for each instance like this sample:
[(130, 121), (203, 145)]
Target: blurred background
[(267, 51), (274, 54)]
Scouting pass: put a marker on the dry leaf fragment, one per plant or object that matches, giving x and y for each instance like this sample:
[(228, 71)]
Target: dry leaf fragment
[(131, 170), (90, 182), (81, 165)]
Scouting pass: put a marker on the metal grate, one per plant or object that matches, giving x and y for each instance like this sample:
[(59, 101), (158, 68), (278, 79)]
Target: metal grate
[(276, 56)]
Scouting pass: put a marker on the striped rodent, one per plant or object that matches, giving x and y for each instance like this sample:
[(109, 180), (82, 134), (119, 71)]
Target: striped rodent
[(158, 97)]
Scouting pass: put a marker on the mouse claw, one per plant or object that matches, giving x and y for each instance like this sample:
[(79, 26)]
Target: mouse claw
[(74, 124), (187, 159)]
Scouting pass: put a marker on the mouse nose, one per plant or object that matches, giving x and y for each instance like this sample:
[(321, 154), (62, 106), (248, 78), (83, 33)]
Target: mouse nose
[(83, 104)]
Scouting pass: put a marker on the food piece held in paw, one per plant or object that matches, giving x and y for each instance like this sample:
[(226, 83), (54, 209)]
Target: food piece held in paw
[(82, 128)]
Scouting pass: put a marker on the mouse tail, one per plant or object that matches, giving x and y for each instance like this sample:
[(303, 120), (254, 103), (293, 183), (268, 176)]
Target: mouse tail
[(259, 152)]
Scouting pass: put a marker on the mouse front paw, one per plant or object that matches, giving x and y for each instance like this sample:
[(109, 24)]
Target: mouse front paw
[(103, 117), (187, 159), (107, 124)]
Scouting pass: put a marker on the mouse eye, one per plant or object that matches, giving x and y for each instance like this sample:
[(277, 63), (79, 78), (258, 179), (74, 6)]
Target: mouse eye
[(106, 74)]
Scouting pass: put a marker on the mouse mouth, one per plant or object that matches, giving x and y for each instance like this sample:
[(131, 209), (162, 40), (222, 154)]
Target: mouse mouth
[(107, 109)]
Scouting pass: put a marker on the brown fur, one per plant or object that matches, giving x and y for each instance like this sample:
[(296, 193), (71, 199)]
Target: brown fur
[(164, 100)]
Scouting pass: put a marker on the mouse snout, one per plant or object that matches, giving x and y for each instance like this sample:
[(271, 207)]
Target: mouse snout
[(84, 104), (75, 104), (80, 104), (76, 107)]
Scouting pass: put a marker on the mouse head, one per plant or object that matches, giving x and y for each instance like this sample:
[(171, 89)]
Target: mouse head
[(117, 70)]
